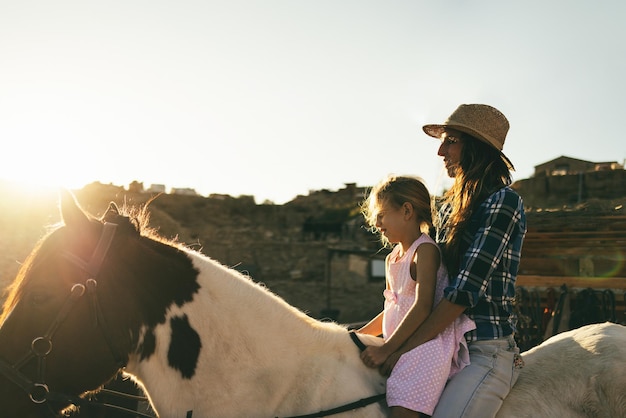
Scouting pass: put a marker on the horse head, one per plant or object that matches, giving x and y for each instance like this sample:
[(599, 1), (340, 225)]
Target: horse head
[(56, 342)]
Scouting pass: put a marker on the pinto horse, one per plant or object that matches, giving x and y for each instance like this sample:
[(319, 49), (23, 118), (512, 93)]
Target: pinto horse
[(100, 296)]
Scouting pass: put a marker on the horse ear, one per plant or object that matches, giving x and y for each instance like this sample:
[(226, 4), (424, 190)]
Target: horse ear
[(112, 212), (71, 212)]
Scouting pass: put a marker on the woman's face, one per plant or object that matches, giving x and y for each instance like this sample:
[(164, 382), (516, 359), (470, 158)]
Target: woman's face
[(450, 149)]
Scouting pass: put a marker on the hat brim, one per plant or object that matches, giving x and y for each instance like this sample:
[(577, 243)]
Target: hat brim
[(437, 130)]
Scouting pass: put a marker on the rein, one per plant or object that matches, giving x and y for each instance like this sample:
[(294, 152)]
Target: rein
[(361, 403), (37, 389)]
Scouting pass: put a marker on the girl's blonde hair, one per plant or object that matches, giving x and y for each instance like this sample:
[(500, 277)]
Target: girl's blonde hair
[(396, 191)]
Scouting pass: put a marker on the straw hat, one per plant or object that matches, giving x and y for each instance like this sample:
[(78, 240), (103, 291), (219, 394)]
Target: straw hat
[(481, 121)]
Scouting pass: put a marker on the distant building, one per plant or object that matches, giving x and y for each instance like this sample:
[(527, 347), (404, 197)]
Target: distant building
[(184, 191), (350, 193), (135, 187), (568, 181), (156, 188), (563, 166), (220, 196)]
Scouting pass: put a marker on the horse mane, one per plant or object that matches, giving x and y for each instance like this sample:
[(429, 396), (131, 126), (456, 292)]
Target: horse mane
[(12, 291)]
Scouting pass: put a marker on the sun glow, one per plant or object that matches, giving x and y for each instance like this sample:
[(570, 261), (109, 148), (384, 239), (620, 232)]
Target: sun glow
[(38, 186)]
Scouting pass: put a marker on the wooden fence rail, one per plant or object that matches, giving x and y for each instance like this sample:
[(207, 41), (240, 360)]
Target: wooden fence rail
[(572, 272)]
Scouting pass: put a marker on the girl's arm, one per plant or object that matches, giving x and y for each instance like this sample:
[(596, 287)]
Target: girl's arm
[(444, 314), (373, 327), (426, 265)]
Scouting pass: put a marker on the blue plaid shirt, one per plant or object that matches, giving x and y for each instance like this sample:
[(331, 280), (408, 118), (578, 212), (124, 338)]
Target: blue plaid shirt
[(491, 248)]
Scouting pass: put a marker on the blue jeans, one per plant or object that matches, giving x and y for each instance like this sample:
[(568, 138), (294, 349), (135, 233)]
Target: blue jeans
[(479, 389)]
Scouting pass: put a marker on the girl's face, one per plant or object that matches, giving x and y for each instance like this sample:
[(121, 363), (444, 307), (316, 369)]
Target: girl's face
[(391, 222)]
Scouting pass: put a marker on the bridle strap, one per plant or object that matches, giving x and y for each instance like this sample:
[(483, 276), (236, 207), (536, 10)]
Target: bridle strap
[(15, 376), (38, 392), (92, 268), (29, 387), (100, 322), (99, 253), (76, 293)]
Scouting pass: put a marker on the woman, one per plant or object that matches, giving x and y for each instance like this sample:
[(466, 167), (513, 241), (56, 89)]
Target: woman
[(481, 227)]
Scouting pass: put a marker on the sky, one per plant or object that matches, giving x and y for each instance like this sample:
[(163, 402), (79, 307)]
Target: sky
[(277, 98)]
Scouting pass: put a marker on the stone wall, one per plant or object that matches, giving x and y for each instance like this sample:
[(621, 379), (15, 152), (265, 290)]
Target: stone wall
[(556, 191)]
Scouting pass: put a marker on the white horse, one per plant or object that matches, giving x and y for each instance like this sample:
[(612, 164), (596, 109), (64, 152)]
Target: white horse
[(206, 341), (578, 373)]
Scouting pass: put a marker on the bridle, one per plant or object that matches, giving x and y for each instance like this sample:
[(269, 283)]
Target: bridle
[(37, 389)]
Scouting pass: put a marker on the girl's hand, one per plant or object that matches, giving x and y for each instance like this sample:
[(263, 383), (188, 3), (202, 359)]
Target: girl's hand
[(374, 356), (389, 363)]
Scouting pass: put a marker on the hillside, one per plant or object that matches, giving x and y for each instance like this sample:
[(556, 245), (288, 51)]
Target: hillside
[(287, 246), (283, 246)]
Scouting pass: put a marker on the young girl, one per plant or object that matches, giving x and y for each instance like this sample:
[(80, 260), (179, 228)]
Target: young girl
[(399, 209)]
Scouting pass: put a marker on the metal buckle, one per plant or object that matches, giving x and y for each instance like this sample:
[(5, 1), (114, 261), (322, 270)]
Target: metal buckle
[(39, 393)]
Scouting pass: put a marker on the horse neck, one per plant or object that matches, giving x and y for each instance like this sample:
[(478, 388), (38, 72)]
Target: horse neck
[(249, 335)]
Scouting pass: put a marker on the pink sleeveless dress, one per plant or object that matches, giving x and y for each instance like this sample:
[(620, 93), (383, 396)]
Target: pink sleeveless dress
[(419, 377)]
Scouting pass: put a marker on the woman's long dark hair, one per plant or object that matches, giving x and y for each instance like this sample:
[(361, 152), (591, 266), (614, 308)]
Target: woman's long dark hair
[(481, 172)]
